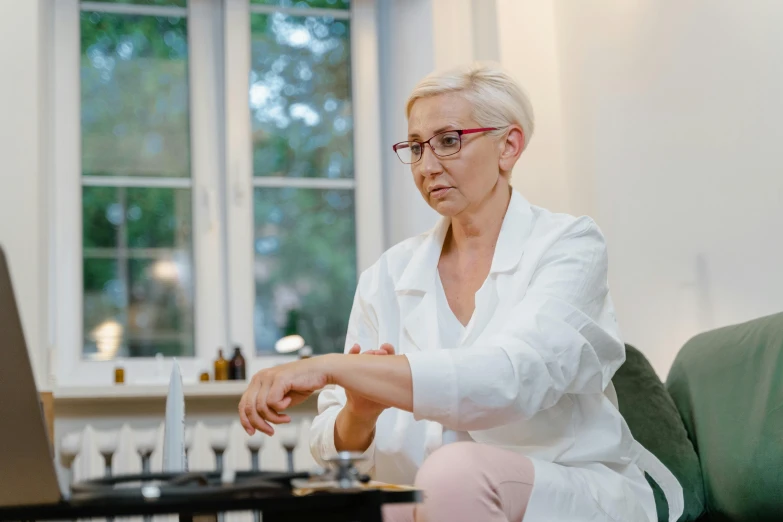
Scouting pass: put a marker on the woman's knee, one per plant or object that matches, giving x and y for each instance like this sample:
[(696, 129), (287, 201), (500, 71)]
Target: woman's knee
[(451, 467), (473, 481), (471, 467)]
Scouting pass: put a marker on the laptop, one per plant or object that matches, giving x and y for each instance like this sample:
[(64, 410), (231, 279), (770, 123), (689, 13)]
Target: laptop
[(27, 471)]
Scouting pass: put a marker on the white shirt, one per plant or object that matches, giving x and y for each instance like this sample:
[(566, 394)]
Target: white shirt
[(452, 334), (531, 372)]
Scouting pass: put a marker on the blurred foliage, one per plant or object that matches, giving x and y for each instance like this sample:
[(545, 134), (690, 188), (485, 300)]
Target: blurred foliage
[(135, 121), (305, 245), (97, 204), (103, 297), (157, 37), (98, 273), (175, 3), (323, 4), (159, 218), (149, 292), (300, 96), (160, 311), (134, 95)]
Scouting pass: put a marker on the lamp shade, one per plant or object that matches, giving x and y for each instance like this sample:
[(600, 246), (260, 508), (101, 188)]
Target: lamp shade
[(291, 341), (289, 344)]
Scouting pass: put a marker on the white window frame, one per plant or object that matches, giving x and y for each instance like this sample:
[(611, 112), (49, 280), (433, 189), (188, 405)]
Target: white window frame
[(221, 182)]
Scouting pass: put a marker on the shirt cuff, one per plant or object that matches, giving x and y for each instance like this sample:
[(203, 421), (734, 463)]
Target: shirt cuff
[(434, 379), (328, 449)]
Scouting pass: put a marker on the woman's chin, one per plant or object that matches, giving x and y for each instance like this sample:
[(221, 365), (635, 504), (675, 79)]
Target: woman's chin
[(445, 207)]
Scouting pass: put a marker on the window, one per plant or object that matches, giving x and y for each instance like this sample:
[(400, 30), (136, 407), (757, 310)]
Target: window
[(304, 229), (214, 182), (136, 184)]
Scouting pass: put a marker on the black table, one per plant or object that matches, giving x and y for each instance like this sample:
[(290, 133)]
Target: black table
[(276, 505)]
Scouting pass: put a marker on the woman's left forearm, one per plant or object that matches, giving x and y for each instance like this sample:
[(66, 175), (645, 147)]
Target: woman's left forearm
[(385, 379)]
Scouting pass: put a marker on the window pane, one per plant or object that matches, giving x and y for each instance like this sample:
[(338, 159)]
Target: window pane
[(138, 287), (159, 218), (326, 4), (305, 259), (176, 3), (300, 96), (104, 306), (101, 215), (160, 311), (134, 95)]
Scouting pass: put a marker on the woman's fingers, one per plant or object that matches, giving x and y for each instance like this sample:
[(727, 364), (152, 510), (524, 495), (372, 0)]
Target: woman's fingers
[(243, 420), (385, 349), (251, 412), (281, 405), (263, 404), (278, 399), (257, 409)]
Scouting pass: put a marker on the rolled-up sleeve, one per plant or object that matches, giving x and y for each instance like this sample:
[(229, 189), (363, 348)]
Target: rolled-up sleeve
[(560, 338), (362, 329), (330, 401)]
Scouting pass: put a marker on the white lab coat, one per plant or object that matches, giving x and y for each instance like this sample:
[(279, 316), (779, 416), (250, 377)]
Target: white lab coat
[(532, 372)]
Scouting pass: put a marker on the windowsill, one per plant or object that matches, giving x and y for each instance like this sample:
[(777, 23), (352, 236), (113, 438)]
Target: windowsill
[(129, 393), (154, 391)]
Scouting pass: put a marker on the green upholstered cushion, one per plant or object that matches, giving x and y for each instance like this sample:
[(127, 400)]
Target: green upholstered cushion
[(655, 422), (728, 386)]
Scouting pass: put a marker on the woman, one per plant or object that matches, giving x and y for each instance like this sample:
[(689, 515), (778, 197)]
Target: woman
[(479, 354)]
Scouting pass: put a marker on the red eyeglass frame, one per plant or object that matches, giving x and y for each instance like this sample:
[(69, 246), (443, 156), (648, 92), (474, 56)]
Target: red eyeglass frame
[(460, 132)]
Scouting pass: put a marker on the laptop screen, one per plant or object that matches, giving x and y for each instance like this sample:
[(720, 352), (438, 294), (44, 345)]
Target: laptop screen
[(27, 471)]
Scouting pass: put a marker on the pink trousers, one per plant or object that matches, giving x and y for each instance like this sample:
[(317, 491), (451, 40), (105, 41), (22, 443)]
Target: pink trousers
[(467, 481)]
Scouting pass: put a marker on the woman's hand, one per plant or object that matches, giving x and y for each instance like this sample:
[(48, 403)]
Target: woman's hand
[(356, 404), (274, 389)]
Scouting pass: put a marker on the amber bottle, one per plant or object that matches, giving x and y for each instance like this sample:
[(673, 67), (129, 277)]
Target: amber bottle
[(221, 367), (237, 365)]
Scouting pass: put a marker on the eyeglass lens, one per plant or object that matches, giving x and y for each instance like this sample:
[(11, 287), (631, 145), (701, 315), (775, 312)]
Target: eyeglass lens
[(444, 144)]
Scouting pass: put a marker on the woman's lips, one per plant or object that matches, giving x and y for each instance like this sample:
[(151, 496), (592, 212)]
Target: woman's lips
[(440, 192)]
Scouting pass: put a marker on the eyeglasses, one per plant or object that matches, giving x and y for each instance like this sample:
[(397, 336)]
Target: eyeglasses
[(446, 143)]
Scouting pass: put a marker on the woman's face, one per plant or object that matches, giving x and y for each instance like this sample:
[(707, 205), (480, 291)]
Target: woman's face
[(456, 183)]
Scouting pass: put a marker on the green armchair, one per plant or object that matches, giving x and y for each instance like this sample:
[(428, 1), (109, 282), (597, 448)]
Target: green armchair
[(717, 423)]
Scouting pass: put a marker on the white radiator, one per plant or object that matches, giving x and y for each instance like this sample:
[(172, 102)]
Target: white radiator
[(83, 451)]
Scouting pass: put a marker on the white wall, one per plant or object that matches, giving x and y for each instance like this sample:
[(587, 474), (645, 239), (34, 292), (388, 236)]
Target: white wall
[(528, 52), (672, 137), (23, 208)]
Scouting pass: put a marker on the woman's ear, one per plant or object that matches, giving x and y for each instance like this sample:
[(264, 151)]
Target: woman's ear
[(511, 148)]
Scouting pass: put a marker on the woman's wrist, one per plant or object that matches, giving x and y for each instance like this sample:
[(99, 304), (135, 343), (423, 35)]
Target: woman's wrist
[(353, 432), (330, 365), (363, 416)]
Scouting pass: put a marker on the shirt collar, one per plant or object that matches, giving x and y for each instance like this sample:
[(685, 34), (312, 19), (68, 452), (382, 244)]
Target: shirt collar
[(517, 223)]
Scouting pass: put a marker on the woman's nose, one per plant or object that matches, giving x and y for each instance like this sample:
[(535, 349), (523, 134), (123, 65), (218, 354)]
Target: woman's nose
[(430, 163)]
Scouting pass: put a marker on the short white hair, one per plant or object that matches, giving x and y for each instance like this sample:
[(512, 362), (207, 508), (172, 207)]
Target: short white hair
[(497, 99)]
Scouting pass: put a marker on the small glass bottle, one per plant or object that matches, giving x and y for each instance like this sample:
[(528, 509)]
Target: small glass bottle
[(119, 375), (221, 367), (237, 371)]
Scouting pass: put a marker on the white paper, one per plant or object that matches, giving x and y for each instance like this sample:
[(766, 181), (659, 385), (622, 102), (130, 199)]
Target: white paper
[(174, 459)]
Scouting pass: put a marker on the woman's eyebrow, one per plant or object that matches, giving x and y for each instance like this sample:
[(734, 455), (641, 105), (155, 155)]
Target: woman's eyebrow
[(442, 129)]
